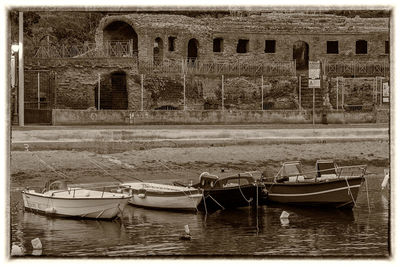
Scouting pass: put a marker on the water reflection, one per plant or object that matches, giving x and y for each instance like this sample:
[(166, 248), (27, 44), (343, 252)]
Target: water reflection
[(244, 231)]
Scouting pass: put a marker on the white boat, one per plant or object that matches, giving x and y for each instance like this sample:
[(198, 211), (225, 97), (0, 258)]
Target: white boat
[(56, 199), (162, 196)]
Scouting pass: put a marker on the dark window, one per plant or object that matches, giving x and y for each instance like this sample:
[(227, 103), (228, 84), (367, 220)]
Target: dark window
[(218, 45), (332, 47), (269, 46), (361, 47), (171, 43), (387, 47), (242, 46)]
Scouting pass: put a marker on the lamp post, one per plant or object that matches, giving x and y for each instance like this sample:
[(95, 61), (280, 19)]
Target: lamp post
[(14, 81), (21, 108)]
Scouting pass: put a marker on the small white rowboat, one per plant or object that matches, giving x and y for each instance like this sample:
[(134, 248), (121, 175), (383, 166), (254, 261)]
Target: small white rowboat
[(58, 200), (161, 196)]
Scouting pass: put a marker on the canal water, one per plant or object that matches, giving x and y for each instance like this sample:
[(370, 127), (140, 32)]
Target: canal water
[(361, 232)]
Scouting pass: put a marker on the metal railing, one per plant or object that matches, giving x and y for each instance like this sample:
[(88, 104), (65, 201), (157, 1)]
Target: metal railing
[(65, 51), (356, 68), (86, 50), (341, 173), (219, 67)]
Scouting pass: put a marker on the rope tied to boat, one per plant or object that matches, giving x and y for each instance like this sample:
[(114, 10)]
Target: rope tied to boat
[(240, 189), (50, 167), (215, 201), (190, 194), (349, 191), (99, 165)]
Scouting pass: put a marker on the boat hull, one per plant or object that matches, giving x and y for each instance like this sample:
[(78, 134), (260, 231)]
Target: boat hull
[(158, 196), (79, 207), (324, 193), (230, 198)]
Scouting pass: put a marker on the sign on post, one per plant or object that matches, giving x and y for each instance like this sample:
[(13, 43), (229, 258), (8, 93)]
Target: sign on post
[(385, 92), (314, 83), (314, 72)]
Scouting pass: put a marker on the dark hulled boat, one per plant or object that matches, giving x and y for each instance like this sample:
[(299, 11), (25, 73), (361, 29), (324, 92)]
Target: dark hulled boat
[(240, 190), (331, 186)]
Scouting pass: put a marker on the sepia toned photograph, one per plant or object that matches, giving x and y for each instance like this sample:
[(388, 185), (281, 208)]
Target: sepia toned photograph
[(199, 132)]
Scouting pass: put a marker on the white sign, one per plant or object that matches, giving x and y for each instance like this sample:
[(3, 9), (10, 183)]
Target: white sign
[(314, 83), (314, 70), (12, 71), (385, 91)]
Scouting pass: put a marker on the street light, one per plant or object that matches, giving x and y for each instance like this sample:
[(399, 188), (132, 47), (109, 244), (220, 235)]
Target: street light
[(14, 51), (15, 48)]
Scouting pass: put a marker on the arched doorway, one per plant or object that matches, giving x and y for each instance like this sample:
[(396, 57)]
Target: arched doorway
[(119, 94), (158, 51), (300, 54), (192, 51), (120, 39)]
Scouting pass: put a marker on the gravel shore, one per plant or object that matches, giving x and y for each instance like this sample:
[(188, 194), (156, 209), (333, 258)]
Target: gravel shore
[(185, 163)]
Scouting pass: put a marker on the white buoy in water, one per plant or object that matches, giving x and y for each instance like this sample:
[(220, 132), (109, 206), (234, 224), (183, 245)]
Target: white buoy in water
[(385, 179), (284, 221), (37, 252), (36, 244), (187, 234), (187, 230), (284, 215), (17, 250)]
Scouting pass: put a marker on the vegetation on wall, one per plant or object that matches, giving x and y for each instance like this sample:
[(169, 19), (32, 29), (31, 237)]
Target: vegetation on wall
[(55, 27), (163, 89)]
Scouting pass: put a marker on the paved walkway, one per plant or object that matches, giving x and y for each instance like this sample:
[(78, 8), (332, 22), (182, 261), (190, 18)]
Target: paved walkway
[(59, 137)]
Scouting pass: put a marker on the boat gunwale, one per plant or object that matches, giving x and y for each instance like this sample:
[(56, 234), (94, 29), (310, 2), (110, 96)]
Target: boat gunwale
[(297, 183), (36, 194), (192, 193)]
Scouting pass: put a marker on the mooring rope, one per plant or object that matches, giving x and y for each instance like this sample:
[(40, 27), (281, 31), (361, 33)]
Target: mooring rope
[(349, 191), (204, 201), (257, 207), (98, 164), (216, 201), (366, 185), (248, 201), (50, 167)]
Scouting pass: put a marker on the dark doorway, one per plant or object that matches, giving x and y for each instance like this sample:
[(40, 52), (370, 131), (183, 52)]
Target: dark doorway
[(39, 96), (120, 39), (192, 50), (300, 54), (158, 51), (118, 90)]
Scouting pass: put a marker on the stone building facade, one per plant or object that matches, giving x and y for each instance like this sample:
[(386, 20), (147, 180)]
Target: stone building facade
[(160, 61)]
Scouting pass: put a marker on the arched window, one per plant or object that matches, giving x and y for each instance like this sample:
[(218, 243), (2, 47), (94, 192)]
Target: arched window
[(300, 54)]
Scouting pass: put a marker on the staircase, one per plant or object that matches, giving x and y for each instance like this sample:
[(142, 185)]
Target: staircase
[(307, 94)]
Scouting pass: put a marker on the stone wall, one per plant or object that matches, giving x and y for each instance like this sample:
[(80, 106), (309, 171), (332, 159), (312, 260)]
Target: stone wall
[(124, 117), (77, 79), (285, 29), (355, 93)]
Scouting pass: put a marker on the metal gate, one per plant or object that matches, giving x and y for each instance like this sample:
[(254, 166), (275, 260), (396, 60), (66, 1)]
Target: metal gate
[(39, 96)]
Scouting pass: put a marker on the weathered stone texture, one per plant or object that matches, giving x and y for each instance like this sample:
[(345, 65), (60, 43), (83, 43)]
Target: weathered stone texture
[(77, 77)]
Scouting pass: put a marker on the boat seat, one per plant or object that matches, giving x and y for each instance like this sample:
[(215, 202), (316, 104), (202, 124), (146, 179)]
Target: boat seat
[(328, 176), (230, 185), (297, 178)]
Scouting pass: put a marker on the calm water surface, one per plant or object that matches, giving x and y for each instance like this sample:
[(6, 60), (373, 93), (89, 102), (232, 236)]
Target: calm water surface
[(243, 232)]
